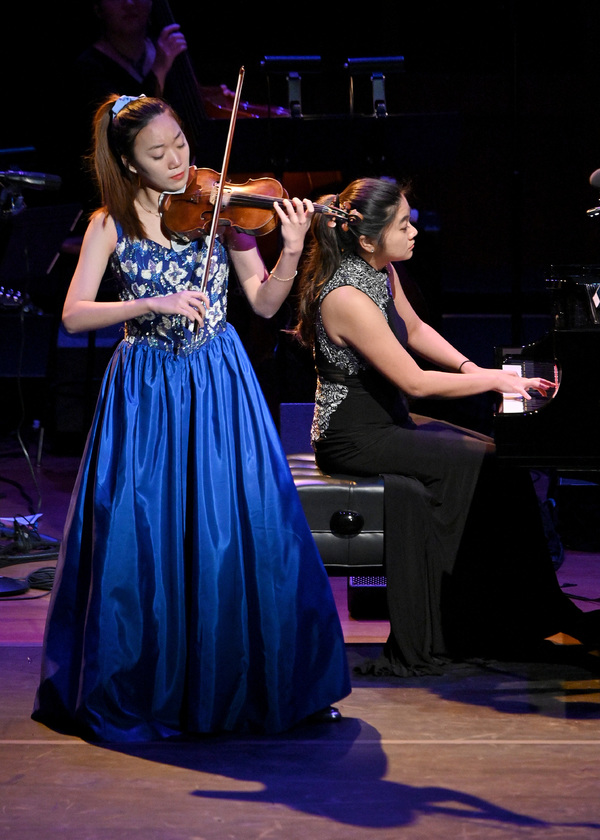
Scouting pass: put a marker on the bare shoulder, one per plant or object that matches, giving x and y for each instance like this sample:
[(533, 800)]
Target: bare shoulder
[(348, 314), (102, 224), (101, 233)]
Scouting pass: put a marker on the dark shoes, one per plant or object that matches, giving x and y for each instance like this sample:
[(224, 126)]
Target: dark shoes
[(327, 715)]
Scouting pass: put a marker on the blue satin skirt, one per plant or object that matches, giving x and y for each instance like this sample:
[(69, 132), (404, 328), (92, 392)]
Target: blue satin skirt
[(189, 595)]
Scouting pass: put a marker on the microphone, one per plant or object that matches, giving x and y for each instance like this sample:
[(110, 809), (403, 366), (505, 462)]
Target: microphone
[(595, 179), (33, 180), (595, 182)]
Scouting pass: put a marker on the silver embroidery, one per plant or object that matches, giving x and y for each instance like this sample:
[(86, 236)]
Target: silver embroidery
[(355, 272), (328, 398)]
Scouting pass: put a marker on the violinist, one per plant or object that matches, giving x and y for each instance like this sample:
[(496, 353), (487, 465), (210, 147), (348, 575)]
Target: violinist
[(189, 596)]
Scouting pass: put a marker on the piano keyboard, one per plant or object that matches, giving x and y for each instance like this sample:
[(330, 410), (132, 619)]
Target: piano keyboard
[(529, 369)]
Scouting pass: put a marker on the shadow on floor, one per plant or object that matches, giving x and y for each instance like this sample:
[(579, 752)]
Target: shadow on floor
[(561, 681), (337, 774)]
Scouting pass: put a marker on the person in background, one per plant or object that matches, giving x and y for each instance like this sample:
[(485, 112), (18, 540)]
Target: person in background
[(124, 55)]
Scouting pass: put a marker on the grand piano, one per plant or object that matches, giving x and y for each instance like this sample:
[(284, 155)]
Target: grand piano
[(561, 431)]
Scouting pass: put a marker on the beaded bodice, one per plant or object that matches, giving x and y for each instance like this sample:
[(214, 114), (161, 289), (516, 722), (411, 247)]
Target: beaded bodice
[(338, 366), (144, 268)]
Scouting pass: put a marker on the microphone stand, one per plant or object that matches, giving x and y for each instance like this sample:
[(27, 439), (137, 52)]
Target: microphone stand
[(25, 536)]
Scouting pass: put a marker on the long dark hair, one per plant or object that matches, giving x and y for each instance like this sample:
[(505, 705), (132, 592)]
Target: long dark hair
[(114, 136), (375, 203)]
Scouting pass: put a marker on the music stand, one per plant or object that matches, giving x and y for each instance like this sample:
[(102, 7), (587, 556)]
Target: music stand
[(290, 66), (375, 68)]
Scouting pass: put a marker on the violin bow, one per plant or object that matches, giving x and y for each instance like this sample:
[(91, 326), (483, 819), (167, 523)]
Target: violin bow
[(221, 187)]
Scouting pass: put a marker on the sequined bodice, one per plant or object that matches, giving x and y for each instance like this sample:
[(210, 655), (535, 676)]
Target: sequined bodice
[(353, 271), (341, 368), (144, 268)]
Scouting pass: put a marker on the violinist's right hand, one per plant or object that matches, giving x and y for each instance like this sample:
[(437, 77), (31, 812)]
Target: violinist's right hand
[(191, 304)]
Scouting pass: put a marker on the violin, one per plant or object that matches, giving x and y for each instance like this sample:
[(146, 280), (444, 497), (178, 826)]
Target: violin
[(247, 207), (201, 207)]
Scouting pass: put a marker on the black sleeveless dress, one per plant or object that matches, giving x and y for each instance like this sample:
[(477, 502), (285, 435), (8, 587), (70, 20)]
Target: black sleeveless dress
[(467, 565)]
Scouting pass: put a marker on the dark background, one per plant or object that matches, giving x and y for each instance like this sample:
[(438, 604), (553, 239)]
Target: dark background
[(495, 118)]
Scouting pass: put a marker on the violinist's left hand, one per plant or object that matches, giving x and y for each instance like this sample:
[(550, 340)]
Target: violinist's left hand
[(295, 216), (266, 290)]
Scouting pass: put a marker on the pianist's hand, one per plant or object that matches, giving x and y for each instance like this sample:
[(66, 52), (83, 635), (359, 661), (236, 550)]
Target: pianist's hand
[(512, 383)]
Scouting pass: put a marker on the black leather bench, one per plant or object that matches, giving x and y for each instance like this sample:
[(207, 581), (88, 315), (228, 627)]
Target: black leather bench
[(345, 516), (344, 513)]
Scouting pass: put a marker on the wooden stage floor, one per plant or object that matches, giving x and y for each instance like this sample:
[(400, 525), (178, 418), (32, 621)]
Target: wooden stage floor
[(495, 750)]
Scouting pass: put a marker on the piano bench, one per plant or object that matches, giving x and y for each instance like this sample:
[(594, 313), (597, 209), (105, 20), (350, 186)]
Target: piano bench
[(345, 516)]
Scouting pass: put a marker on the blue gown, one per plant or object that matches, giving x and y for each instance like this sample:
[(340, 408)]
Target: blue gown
[(189, 596)]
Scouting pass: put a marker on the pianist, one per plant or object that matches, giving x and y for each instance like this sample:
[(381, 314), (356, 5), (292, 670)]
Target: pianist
[(466, 574)]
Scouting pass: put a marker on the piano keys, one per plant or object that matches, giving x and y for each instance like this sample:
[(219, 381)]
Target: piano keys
[(515, 362)]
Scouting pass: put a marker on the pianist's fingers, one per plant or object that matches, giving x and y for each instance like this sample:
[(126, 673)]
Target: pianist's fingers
[(512, 383), (539, 384)]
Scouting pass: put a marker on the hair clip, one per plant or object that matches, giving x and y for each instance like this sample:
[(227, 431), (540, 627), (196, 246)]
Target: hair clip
[(122, 102)]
